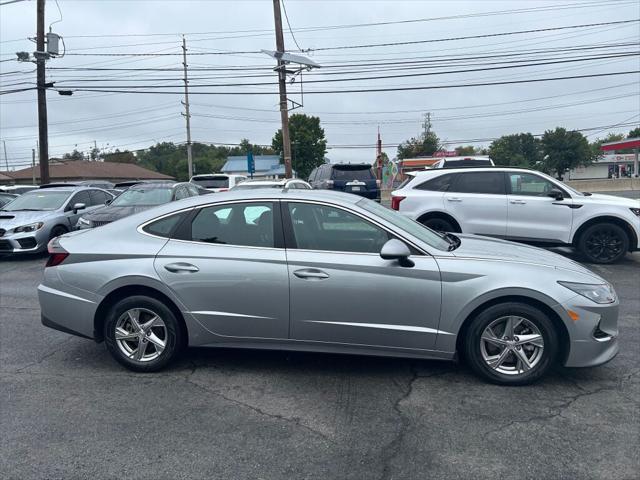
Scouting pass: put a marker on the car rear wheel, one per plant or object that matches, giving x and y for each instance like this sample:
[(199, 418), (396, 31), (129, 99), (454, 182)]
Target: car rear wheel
[(603, 243), (511, 344), (142, 334), (438, 224)]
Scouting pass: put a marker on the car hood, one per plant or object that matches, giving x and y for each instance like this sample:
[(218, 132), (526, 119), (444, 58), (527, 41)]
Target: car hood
[(18, 218), (113, 213), (609, 200), (485, 248)]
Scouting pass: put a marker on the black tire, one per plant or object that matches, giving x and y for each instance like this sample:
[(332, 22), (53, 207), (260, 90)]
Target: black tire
[(438, 224), (474, 348), (603, 243), (171, 333), (57, 231)]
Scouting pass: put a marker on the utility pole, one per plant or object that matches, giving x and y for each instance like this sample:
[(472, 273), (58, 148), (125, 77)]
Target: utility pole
[(282, 87), (6, 160), (427, 124), (187, 115), (33, 166), (43, 133)]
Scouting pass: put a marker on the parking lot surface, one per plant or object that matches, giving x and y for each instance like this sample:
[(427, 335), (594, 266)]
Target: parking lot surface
[(67, 410)]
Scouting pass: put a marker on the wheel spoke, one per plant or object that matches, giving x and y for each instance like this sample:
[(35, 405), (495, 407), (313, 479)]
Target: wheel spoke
[(151, 323), (157, 342), (490, 336), (532, 339), (122, 334), (523, 361), (508, 328), (496, 361), (134, 315), (139, 353)]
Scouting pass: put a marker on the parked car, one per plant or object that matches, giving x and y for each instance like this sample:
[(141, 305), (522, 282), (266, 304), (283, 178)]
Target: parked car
[(17, 189), (137, 198), (522, 205), (6, 198), (355, 178), (460, 162), (31, 220), (217, 182), (327, 272), (273, 183), (103, 184)]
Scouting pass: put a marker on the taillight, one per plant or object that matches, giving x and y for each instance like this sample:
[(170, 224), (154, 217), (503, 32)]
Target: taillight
[(223, 190), (329, 183), (57, 254), (395, 202)]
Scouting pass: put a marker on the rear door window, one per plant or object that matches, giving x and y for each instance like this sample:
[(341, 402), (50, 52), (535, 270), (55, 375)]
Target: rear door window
[(165, 226), (99, 197), (479, 182)]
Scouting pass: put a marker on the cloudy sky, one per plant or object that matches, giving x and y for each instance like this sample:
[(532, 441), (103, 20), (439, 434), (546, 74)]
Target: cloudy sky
[(417, 54)]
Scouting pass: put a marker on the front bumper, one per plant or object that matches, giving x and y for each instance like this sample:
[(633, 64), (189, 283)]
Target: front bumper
[(594, 335), (29, 242)]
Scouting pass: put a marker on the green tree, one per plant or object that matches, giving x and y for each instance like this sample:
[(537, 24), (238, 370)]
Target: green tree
[(597, 143), (424, 146), (75, 155), (308, 143), (635, 133), (468, 150), (518, 150), (564, 150), (120, 157)]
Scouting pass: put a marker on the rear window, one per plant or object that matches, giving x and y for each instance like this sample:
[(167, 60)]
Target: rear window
[(212, 182), (165, 226), (348, 172), (467, 163), (438, 184)]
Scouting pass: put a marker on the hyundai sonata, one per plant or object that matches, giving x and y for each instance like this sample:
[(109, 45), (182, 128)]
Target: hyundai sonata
[(328, 272)]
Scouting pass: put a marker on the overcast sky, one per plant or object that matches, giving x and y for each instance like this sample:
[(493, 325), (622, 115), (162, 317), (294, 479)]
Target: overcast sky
[(216, 29)]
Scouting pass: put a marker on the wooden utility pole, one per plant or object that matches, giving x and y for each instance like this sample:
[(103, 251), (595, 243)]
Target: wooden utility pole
[(43, 133), (282, 87), (187, 115), (6, 160)]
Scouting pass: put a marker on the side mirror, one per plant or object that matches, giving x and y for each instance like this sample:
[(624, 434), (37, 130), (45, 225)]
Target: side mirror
[(78, 206), (396, 250), (556, 194)]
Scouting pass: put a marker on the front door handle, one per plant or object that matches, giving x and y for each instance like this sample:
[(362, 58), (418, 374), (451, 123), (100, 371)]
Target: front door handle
[(181, 267), (454, 199), (311, 274), (518, 202)]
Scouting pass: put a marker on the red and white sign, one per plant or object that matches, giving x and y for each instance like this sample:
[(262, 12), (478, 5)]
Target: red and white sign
[(445, 153)]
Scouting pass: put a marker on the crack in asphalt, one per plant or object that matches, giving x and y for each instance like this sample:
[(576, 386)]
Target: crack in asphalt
[(60, 346), (295, 421)]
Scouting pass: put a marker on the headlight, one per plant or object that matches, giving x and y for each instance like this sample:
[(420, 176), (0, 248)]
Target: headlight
[(599, 293), (85, 222), (636, 211), (32, 227)]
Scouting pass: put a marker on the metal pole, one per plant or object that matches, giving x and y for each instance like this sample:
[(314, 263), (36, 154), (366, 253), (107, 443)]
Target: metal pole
[(33, 166), (43, 133), (282, 87), (6, 160), (187, 115)]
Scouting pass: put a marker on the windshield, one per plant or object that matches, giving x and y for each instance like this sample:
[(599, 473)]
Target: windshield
[(412, 227), (212, 182), (40, 200), (143, 196), (352, 173)]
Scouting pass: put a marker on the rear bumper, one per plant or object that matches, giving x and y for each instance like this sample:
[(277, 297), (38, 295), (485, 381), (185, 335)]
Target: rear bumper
[(66, 311)]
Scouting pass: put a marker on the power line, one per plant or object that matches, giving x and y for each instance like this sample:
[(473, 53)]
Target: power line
[(284, 8)]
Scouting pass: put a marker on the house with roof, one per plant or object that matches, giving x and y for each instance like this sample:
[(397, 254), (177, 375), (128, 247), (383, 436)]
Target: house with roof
[(266, 166), (77, 170)]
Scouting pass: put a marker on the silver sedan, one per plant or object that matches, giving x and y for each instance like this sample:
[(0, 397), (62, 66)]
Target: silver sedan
[(327, 272)]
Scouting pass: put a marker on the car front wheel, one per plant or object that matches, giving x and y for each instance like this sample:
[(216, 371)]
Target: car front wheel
[(603, 243), (142, 334), (511, 344)]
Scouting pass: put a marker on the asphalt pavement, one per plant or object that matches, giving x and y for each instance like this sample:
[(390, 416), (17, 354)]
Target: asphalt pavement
[(68, 411)]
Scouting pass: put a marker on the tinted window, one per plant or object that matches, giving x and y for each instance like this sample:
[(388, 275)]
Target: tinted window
[(245, 224), (467, 163), (352, 173), (438, 184), (479, 182), (165, 226), (529, 184), (320, 227), (98, 197), (213, 181), (80, 197)]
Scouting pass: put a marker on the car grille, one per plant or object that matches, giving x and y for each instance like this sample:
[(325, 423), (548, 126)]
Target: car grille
[(28, 242), (99, 224), (5, 246)]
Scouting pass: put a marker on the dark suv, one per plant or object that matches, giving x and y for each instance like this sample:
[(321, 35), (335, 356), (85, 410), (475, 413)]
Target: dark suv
[(355, 178)]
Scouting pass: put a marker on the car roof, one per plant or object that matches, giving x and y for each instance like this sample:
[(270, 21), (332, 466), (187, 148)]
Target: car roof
[(443, 171), (147, 186)]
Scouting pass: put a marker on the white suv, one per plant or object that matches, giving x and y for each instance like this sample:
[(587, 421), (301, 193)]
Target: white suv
[(522, 205)]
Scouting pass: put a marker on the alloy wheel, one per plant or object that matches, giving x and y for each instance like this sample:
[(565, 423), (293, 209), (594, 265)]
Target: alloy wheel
[(604, 244), (141, 334), (511, 345)]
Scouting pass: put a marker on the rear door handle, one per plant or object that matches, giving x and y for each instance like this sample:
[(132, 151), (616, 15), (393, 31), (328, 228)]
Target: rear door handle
[(518, 202), (181, 267), (311, 274), (454, 199)]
